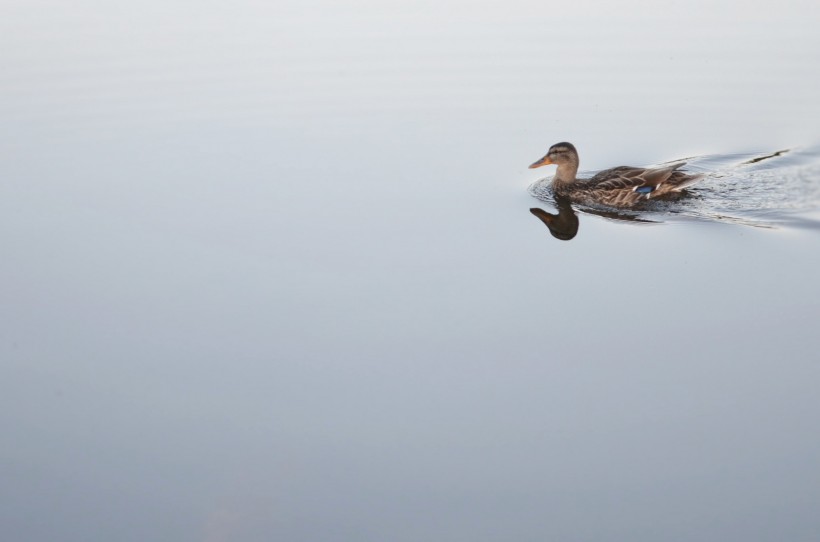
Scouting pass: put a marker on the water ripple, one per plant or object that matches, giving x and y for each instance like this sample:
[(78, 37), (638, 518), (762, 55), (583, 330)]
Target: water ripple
[(768, 190)]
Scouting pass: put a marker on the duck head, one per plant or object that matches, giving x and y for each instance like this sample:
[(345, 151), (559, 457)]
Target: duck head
[(565, 157), (559, 154)]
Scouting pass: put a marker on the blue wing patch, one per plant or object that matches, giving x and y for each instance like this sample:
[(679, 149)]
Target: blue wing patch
[(644, 189)]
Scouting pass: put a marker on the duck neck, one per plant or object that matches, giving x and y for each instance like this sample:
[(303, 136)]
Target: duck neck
[(565, 174)]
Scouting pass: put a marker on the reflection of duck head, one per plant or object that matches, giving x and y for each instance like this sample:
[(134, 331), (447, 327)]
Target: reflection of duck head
[(564, 225)]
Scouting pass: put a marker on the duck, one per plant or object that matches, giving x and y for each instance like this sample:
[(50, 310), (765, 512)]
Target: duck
[(622, 186)]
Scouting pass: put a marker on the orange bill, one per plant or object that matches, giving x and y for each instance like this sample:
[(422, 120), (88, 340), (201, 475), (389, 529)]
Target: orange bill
[(545, 161)]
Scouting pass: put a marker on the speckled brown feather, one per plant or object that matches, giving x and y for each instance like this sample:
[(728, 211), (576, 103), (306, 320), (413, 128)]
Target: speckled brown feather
[(622, 186)]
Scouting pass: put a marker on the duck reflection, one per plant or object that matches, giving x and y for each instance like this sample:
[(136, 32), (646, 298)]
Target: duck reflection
[(564, 225)]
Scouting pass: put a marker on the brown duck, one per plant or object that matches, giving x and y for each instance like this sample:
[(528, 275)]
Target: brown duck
[(622, 186)]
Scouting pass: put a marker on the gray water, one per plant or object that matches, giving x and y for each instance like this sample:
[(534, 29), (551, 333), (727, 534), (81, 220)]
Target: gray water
[(269, 273)]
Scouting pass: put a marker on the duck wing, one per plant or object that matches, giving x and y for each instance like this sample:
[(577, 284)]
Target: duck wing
[(644, 181)]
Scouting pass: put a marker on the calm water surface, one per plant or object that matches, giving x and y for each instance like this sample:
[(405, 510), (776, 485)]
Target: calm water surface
[(269, 273)]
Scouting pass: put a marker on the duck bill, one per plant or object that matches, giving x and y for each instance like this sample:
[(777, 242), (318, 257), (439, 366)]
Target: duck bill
[(545, 161)]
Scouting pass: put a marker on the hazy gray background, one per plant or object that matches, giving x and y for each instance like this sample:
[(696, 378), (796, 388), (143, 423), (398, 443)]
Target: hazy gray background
[(268, 273)]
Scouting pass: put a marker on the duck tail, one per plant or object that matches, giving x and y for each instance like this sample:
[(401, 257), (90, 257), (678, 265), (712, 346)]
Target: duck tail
[(683, 180)]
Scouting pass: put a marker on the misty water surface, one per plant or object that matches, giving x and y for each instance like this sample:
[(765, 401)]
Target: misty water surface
[(270, 273)]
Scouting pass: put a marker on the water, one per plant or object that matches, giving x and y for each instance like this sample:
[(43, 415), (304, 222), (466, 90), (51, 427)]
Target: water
[(270, 273)]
